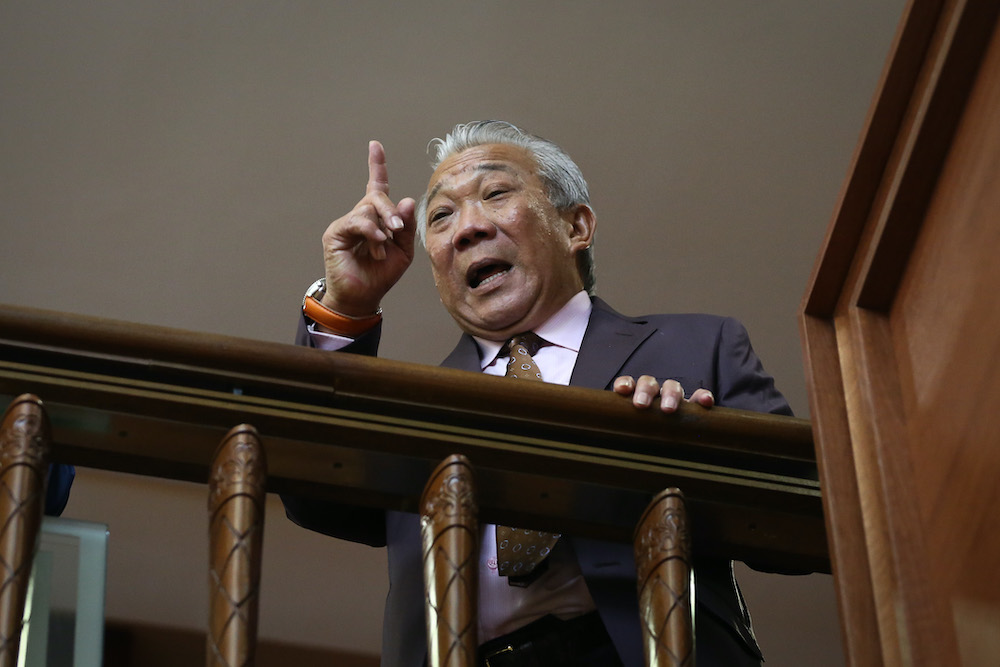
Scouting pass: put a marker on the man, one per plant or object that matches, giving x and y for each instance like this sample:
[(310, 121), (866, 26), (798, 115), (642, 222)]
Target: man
[(508, 228)]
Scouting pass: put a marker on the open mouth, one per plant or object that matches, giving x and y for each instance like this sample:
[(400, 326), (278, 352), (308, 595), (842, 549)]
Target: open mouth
[(486, 272)]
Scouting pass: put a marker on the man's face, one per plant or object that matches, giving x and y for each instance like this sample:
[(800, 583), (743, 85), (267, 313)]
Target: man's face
[(504, 260)]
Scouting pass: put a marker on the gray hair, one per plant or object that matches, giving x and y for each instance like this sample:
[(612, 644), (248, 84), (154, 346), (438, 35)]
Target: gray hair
[(563, 180)]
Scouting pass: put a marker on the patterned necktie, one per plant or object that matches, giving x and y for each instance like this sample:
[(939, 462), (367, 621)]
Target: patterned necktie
[(520, 551)]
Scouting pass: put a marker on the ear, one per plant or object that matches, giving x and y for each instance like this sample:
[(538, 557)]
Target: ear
[(582, 225)]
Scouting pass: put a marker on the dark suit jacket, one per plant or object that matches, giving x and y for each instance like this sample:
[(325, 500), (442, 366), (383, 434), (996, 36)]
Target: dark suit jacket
[(698, 351), (57, 486)]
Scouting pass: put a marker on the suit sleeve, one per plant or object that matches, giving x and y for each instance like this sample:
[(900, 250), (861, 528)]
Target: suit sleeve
[(749, 387), (349, 522), (741, 379)]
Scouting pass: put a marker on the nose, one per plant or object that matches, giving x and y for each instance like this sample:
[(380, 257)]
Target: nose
[(473, 226)]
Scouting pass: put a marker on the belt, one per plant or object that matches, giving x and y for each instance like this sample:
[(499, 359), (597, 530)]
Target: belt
[(547, 642)]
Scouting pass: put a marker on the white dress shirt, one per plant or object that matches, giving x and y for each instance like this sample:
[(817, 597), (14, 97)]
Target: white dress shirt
[(561, 589)]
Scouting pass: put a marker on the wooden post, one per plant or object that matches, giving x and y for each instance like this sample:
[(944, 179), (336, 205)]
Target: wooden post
[(236, 511), (24, 442), (663, 564), (449, 529)]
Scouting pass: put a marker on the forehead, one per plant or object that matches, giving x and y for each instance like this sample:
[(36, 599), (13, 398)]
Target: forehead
[(478, 160)]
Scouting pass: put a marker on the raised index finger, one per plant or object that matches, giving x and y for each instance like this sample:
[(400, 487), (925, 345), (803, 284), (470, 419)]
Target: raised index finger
[(378, 173)]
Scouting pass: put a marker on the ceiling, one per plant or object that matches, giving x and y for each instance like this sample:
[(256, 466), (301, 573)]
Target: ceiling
[(176, 163)]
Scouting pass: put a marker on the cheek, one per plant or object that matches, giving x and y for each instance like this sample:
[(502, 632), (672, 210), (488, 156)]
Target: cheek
[(537, 207), (544, 221), (438, 276), (438, 259)]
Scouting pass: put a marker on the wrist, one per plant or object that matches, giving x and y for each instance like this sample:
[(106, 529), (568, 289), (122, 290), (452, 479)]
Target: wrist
[(346, 308), (332, 320)]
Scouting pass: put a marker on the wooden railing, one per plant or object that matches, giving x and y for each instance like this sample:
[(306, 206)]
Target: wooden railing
[(158, 401)]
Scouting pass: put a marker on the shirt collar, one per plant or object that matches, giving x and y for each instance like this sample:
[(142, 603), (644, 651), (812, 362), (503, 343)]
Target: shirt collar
[(564, 329)]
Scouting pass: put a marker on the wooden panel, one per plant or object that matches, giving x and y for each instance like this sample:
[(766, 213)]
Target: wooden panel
[(874, 151), (945, 323), (841, 496), (896, 328)]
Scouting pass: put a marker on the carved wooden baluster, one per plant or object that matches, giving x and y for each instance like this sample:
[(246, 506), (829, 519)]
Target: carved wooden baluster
[(450, 531), (24, 442), (663, 564), (236, 511)]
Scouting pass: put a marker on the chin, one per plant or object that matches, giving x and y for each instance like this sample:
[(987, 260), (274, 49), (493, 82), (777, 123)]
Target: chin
[(490, 325)]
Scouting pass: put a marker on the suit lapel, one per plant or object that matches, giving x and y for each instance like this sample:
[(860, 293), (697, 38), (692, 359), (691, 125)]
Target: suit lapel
[(610, 340), (465, 356)]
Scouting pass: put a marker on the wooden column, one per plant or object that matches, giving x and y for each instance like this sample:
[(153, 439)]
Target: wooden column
[(236, 510), (24, 442), (663, 565), (449, 527)]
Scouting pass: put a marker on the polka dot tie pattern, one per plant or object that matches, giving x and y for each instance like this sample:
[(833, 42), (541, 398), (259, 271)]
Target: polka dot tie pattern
[(521, 365), (520, 551)]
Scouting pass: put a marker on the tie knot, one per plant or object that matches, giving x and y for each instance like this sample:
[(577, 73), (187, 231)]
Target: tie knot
[(529, 342)]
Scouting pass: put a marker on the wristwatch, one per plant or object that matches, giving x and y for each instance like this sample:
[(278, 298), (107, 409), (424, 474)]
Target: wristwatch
[(316, 291), (345, 325)]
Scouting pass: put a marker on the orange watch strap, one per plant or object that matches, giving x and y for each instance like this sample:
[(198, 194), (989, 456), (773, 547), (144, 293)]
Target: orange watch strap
[(341, 324)]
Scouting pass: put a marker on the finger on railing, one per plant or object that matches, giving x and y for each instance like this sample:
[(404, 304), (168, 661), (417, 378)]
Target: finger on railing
[(24, 444), (450, 533), (666, 591), (236, 525)]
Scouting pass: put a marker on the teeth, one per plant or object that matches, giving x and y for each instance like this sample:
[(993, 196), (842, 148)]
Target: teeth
[(492, 277)]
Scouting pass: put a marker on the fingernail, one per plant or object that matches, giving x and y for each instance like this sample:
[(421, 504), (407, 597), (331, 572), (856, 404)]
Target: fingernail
[(643, 398), (670, 402), (396, 222)]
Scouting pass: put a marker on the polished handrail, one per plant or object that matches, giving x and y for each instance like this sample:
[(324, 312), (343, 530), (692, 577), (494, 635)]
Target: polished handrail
[(155, 400)]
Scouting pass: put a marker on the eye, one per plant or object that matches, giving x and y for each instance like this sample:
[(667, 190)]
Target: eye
[(494, 192), (438, 214)]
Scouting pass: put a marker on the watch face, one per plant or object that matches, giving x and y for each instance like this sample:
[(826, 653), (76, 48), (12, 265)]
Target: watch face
[(316, 290)]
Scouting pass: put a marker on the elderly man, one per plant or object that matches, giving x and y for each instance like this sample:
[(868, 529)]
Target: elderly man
[(507, 225)]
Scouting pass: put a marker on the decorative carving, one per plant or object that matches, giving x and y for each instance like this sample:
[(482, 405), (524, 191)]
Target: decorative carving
[(238, 468), (236, 525), (663, 564), (450, 532), (24, 438)]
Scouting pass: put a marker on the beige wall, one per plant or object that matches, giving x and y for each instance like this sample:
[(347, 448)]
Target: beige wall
[(175, 163)]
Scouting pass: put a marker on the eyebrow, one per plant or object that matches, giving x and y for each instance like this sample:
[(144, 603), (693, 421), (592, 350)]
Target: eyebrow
[(484, 166)]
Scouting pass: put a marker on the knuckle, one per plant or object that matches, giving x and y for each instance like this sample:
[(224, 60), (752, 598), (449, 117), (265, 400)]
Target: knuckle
[(625, 385)]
